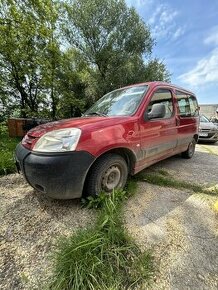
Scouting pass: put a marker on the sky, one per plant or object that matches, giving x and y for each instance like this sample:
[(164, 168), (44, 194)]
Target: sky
[(186, 37)]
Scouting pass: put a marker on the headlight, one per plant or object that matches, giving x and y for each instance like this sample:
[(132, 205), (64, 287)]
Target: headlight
[(58, 141)]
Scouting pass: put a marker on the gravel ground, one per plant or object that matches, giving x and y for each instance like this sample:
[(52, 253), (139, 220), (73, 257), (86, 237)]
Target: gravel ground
[(202, 168), (30, 226), (181, 228)]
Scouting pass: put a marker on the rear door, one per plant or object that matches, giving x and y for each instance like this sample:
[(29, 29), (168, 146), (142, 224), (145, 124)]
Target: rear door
[(159, 136), (187, 118)]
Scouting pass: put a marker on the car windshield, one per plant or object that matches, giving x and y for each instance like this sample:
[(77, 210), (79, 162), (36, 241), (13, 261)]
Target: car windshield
[(204, 119), (122, 102)]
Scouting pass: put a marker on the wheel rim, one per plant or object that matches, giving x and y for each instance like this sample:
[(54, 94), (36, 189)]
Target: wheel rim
[(111, 178), (191, 149)]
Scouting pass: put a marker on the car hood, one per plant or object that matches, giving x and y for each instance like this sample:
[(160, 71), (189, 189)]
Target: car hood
[(82, 123), (208, 126)]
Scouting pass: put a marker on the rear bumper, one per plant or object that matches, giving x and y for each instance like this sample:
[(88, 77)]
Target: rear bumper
[(58, 175)]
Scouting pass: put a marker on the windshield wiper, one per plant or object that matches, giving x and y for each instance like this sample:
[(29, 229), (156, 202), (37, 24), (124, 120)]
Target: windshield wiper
[(96, 113)]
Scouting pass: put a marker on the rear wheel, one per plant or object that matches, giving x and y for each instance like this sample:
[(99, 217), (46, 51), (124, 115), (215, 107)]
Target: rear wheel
[(109, 172), (190, 151)]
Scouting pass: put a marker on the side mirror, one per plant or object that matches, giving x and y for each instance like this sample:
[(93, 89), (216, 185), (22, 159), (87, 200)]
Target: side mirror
[(157, 111)]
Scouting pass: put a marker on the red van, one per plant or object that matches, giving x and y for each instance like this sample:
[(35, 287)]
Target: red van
[(124, 132)]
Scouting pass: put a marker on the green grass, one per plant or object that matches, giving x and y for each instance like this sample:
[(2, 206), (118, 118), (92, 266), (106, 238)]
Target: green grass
[(7, 147), (103, 256), (163, 178), (209, 150)]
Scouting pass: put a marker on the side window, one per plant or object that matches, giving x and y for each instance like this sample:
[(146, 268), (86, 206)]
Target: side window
[(187, 105), (162, 96), (193, 106)]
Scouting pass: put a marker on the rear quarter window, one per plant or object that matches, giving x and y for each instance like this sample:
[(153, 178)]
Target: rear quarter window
[(193, 106), (187, 105)]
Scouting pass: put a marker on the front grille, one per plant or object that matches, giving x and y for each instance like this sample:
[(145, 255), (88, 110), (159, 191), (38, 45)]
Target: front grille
[(210, 135)]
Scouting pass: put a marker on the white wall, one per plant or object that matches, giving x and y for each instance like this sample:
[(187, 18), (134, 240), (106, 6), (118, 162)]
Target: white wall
[(209, 110)]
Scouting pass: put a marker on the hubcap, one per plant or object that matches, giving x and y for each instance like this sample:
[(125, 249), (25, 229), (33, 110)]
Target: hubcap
[(191, 149), (111, 178)]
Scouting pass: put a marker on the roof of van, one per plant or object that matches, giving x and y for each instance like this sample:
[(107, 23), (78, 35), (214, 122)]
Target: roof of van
[(158, 83)]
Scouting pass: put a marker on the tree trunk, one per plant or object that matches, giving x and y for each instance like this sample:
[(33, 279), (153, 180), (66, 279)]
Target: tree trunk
[(54, 107), (22, 106)]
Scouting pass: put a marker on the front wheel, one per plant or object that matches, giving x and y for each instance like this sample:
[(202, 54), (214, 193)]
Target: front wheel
[(213, 142), (108, 172), (190, 151)]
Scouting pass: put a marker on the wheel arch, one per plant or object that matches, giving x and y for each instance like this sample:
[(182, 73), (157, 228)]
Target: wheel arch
[(196, 137), (126, 153)]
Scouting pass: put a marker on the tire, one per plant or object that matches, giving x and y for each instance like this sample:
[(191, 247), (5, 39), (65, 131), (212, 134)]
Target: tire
[(190, 151), (109, 172)]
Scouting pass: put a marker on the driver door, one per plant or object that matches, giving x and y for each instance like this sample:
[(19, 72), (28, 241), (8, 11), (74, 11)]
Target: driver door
[(159, 135)]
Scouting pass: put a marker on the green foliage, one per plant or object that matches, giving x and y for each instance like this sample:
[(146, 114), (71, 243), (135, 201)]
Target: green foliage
[(26, 44), (100, 200), (103, 256), (155, 70), (7, 147), (58, 57), (73, 83), (115, 40), (121, 195)]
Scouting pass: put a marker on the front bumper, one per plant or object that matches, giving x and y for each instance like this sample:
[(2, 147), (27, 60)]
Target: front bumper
[(208, 136), (58, 175)]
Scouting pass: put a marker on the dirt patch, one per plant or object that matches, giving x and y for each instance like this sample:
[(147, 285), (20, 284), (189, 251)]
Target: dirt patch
[(181, 229)]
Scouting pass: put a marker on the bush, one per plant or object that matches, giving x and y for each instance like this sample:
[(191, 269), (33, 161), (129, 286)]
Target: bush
[(7, 147)]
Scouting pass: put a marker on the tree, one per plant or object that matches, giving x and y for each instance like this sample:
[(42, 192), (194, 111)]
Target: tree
[(155, 70), (110, 36), (74, 79), (58, 56), (26, 45)]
